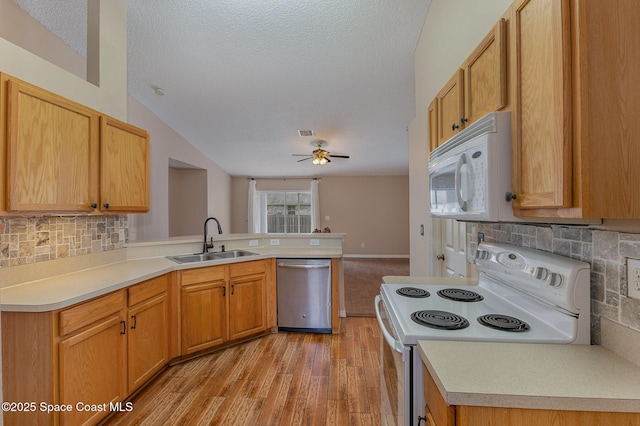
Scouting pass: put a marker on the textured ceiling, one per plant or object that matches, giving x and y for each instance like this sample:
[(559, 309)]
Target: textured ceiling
[(241, 77)]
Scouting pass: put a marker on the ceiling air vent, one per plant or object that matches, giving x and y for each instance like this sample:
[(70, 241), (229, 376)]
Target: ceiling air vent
[(303, 133)]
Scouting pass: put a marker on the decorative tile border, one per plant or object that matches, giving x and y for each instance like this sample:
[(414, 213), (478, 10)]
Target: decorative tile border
[(606, 251), (37, 239)]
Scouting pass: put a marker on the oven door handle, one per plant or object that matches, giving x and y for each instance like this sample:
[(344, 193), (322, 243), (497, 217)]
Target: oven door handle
[(395, 345)]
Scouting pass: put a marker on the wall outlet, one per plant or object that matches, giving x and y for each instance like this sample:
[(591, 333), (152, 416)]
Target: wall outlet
[(314, 242), (274, 242), (633, 278), (253, 243)]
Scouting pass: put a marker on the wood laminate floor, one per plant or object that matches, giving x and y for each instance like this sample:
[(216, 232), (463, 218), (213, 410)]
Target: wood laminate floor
[(280, 379), (362, 279)]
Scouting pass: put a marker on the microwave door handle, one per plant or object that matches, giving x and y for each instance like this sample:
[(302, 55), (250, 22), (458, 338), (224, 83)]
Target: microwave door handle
[(395, 345), (461, 161)]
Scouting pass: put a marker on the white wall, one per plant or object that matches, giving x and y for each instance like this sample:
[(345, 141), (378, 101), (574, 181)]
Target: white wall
[(452, 30)]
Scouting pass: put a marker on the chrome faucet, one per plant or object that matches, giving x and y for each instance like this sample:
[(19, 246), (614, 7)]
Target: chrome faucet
[(206, 246)]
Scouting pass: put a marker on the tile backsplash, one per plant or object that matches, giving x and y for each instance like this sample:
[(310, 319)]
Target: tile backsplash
[(37, 239), (606, 251)]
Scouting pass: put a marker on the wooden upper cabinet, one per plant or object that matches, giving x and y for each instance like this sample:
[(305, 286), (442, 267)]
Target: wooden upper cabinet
[(124, 166), (476, 89), (574, 103), (450, 107), (541, 113), (52, 151), (432, 118), (485, 75)]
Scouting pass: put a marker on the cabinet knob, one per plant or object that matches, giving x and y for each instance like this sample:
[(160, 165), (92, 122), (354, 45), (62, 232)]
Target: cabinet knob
[(508, 196), (94, 205), (464, 119), (454, 126), (106, 205)]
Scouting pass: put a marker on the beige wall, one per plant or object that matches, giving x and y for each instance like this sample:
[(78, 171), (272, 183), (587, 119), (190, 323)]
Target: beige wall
[(451, 31), (187, 201), (371, 210), (167, 144), (30, 52)]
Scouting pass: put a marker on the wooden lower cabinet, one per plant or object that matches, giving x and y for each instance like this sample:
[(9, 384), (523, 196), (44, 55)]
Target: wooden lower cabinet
[(247, 306), (92, 372), (86, 358), (204, 316), (223, 303), (148, 340), (439, 413)]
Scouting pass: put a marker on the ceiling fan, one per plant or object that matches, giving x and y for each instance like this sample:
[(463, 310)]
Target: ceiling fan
[(319, 156)]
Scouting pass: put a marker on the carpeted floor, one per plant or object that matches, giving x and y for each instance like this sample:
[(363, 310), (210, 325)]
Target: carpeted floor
[(362, 279)]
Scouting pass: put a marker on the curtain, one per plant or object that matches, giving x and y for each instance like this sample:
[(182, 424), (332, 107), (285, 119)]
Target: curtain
[(253, 209), (315, 205)]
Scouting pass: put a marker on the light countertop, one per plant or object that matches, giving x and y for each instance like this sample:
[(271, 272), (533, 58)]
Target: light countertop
[(537, 376), (83, 281)]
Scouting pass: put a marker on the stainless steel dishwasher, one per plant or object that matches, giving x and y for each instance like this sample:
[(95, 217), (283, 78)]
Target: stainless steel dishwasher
[(304, 295)]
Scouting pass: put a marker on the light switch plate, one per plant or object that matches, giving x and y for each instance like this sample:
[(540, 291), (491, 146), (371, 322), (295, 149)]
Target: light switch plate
[(314, 242), (274, 242), (633, 278), (253, 243)]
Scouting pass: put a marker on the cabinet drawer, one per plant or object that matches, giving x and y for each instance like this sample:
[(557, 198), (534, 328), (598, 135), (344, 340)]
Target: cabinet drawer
[(147, 289), (75, 318), (246, 268), (202, 275)]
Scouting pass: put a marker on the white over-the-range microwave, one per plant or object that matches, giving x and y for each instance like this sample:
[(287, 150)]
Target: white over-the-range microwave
[(470, 174)]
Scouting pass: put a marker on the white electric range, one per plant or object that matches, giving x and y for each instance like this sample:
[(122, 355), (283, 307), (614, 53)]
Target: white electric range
[(523, 295)]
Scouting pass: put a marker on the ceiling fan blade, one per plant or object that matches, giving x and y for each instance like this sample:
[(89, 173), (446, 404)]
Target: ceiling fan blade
[(308, 158), (300, 155), (339, 156)]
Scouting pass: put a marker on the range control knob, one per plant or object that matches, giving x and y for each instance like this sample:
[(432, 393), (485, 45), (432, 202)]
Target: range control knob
[(541, 273), (555, 280)]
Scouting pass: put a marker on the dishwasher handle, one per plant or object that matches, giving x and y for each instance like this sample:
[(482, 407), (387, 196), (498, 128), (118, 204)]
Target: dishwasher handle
[(303, 266)]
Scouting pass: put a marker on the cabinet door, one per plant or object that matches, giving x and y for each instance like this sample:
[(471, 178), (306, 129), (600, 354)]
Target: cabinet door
[(432, 117), (541, 66), (485, 73), (124, 167), (92, 369), (450, 107), (247, 306), (52, 152), (148, 340), (204, 316)]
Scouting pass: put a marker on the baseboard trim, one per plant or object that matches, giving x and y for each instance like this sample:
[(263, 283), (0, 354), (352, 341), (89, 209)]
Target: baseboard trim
[(375, 256)]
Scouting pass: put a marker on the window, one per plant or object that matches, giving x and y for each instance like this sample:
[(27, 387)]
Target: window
[(286, 212)]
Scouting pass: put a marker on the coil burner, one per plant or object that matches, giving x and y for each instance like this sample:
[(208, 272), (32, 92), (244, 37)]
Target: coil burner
[(503, 322), (440, 320), (460, 295), (413, 292)]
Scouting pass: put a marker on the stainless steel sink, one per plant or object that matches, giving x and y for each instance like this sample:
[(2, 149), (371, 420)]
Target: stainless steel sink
[(204, 257)]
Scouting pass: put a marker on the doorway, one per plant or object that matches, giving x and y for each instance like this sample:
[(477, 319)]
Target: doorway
[(187, 199)]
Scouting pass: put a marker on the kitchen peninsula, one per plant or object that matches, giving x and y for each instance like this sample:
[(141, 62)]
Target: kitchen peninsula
[(95, 328)]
